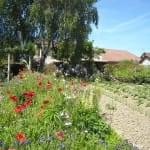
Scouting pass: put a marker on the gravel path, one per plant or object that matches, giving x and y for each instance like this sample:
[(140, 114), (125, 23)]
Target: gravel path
[(129, 123)]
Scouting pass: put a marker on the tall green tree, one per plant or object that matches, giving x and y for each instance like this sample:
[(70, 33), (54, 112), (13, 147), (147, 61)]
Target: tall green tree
[(16, 27), (65, 23), (61, 26)]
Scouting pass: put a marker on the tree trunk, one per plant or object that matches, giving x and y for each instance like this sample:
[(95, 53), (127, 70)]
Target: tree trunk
[(45, 51)]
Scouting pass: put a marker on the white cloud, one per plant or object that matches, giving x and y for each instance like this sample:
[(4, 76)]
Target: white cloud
[(128, 23)]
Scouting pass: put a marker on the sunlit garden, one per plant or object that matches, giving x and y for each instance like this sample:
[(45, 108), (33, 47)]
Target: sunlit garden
[(52, 78), (44, 112)]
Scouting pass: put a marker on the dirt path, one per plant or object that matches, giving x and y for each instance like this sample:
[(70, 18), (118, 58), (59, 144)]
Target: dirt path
[(129, 123)]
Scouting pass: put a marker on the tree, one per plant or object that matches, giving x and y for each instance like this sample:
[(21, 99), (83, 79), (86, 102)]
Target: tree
[(61, 26), (16, 30), (63, 23), (16, 27)]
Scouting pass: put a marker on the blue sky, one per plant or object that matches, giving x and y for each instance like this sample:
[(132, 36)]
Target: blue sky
[(123, 24)]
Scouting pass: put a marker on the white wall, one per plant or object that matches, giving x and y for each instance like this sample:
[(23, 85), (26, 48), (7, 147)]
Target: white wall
[(146, 62)]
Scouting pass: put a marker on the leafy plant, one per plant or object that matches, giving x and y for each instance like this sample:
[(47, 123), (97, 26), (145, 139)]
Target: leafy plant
[(127, 71)]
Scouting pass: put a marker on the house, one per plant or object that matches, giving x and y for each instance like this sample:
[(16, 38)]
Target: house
[(145, 59), (115, 56)]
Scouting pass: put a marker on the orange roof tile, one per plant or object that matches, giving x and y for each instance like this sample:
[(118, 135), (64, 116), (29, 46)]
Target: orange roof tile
[(113, 55)]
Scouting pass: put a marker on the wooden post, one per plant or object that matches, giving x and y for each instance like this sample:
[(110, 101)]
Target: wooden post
[(8, 70), (40, 53), (29, 62)]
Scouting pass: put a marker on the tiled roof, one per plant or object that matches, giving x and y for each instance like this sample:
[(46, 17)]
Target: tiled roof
[(113, 55)]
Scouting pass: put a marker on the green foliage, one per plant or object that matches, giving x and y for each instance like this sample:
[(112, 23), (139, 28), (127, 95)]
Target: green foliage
[(88, 52), (88, 120), (139, 93), (98, 51), (65, 50), (15, 21), (82, 127), (127, 71), (63, 23)]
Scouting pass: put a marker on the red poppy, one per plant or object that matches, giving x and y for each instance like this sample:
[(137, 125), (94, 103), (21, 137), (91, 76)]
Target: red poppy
[(28, 94), (20, 136), (19, 108), (14, 98), (60, 90), (39, 84), (60, 135), (48, 85), (28, 102), (22, 106)]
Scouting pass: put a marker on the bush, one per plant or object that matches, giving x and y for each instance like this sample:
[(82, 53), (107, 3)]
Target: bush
[(127, 71), (77, 70)]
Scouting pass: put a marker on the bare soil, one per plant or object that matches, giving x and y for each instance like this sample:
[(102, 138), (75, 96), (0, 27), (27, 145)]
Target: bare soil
[(129, 123)]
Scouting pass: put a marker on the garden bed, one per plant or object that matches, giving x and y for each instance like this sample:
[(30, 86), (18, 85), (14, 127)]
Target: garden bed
[(135, 96), (43, 112)]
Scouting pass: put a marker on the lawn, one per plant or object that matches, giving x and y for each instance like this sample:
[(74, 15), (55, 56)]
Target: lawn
[(43, 112)]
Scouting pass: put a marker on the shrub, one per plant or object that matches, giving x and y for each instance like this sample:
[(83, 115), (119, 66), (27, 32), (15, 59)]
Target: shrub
[(127, 71), (49, 69)]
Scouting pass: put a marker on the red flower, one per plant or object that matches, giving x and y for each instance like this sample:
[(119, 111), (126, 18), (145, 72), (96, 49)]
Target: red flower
[(14, 98), (28, 94), (28, 102), (39, 84), (20, 136), (23, 106), (59, 135), (19, 108), (49, 85)]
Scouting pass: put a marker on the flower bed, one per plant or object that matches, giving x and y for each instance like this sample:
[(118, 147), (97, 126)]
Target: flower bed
[(42, 112)]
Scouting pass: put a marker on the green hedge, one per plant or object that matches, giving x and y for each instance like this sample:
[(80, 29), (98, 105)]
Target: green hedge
[(127, 71)]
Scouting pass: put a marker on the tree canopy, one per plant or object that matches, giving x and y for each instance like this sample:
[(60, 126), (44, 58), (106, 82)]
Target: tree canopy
[(61, 26)]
